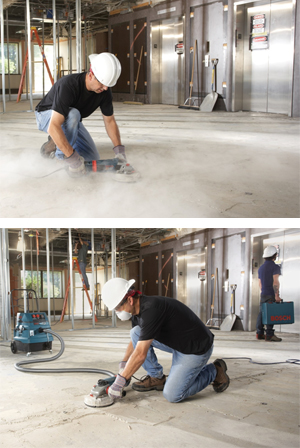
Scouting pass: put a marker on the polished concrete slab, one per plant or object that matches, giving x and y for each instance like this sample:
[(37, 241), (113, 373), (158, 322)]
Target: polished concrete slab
[(192, 165), (259, 409)]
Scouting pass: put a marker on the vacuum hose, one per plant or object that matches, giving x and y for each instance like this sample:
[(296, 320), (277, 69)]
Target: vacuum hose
[(26, 369)]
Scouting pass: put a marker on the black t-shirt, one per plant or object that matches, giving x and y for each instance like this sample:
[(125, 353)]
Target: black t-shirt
[(172, 323), (71, 91)]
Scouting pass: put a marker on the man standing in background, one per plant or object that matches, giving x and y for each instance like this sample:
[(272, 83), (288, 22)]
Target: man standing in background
[(268, 281)]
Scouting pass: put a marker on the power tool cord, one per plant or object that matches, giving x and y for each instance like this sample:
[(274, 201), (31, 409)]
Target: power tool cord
[(37, 177), (289, 361), (27, 369)]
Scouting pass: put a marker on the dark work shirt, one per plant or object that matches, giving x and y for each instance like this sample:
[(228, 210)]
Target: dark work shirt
[(265, 274), (71, 91), (172, 323), (82, 254)]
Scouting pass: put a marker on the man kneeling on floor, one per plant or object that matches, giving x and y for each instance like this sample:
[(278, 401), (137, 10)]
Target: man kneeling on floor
[(166, 324)]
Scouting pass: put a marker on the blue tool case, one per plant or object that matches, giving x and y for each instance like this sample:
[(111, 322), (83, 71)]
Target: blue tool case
[(278, 313)]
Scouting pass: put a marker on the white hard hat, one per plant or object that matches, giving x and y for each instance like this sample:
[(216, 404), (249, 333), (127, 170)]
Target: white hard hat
[(115, 290), (269, 251), (106, 67)]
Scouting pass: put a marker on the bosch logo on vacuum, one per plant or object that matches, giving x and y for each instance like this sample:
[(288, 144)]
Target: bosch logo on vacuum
[(280, 318)]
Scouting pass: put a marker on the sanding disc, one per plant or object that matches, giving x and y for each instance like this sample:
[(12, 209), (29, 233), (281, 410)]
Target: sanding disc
[(99, 402), (126, 173), (123, 177)]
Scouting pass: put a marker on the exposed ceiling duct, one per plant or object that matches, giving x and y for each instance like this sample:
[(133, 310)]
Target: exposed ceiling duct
[(94, 13)]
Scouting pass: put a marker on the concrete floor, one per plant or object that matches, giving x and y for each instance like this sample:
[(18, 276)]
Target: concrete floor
[(192, 165), (259, 409)]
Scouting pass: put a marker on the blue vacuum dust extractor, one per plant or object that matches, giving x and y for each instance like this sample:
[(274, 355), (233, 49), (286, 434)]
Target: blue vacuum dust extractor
[(29, 335)]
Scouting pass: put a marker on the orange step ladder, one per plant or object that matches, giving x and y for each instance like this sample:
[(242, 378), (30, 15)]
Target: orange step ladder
[(33, 30), (75, 260)]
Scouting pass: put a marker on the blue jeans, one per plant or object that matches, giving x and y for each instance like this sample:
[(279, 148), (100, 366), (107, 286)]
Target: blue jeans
[(76, 134), (189, 374), (82, 268), (259, 325)]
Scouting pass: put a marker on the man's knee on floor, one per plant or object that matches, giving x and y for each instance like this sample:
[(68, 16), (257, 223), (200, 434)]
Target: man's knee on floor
[(171, 395)]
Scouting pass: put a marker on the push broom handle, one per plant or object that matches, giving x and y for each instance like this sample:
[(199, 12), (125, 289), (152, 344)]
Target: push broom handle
[(213, 304), (192, 78)]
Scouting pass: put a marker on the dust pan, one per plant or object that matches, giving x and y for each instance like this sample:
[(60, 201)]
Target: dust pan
[(210, 100), (229, 320)]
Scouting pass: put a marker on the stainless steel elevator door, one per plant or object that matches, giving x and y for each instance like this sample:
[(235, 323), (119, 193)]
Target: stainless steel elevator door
[(267, 72), (167, 67), (190, 290)]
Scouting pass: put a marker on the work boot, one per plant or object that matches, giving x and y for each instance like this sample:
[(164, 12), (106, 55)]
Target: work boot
[(149, 383), (260, 336), (273, 338), (222, 380), (48, 149)]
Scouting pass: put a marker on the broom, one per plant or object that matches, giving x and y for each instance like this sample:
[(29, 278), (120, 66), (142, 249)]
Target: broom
[(190, 100)]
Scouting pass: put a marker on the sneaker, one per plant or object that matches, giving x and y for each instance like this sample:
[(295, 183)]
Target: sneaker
[(222, 380), (149, 383), (260, 336), (48, 149), (273, 338)]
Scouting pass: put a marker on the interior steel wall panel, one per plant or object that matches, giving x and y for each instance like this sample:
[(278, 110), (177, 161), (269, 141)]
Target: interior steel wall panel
[(140, 40), (166, 274), (150, 274), (120, 43), (156, 86), (207, 28)]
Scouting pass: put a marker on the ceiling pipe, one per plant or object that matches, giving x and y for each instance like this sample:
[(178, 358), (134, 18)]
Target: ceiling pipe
[(29, 54), (2, 52), (113, 268), (78, 35), (54, 40)]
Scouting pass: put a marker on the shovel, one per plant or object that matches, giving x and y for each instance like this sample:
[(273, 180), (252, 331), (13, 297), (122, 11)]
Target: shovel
[(229, 320), (211, 323), (209, 101)]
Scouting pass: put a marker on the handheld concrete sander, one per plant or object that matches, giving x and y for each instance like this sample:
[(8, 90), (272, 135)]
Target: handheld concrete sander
[(98, 397), (121, 171)]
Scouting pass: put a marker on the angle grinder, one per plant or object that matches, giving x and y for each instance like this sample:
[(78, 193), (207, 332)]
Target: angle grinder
[(98, 397)]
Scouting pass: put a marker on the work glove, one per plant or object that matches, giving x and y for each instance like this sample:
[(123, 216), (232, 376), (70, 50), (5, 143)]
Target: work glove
[(120, 153), (116, 389), (122, 365), (75, 165)]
